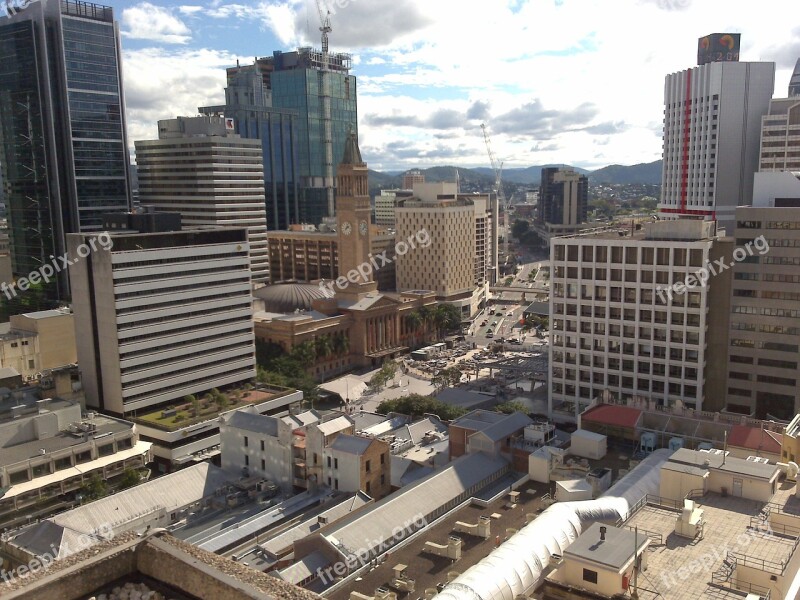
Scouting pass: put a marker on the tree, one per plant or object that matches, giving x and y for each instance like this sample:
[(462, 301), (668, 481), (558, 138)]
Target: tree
[(520, 228), (511, 407), (341, 343), (305, 353), (446, 317), (129, 478), (446, 378), (94, 489), (194, 402), (416, 405), (381, 377), (323, 346)]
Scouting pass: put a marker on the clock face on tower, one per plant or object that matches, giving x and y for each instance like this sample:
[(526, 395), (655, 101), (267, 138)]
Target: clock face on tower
[(347, 228), (363, 228)]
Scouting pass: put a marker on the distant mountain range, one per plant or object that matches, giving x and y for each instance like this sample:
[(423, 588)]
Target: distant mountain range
[(645, 173)]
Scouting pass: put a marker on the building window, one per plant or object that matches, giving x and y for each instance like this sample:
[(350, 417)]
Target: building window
[(383, 479), (590, 576), (383, 458), (263, 465), (335, 463), (31, 364), (262, 445), (368, 486), (246, 460), (245, 441), (329, 462), (368, 466), (336, 484)]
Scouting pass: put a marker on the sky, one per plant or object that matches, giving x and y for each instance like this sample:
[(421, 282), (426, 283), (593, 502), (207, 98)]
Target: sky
[(576, 82)]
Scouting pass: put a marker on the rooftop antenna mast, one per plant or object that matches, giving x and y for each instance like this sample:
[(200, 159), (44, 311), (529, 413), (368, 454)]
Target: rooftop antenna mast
[(325, 91), (497, 167)]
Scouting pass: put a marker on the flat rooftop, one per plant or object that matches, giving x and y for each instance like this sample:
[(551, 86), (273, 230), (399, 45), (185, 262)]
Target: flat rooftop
[(62, 440), (429, 570), (727, 521)]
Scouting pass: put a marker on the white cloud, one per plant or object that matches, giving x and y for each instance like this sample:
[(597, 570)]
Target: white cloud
[(161, 84), (575, 81), (146, 21), (190, 9)]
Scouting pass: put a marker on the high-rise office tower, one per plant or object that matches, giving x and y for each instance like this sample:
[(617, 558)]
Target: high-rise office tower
[(627, 320), (412, 177), (765, 312), (296, 84), (780, 137), (199, 168), (248, 102), (458, 260), (63, 150), (163, 312), (794, 82), (712, 125), (563, 197)]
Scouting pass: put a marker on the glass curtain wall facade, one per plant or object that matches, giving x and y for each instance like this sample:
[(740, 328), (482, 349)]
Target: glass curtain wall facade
[(299, 89), (64, 151)]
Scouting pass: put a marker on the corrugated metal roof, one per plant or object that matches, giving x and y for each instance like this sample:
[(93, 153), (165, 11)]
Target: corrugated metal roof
[(617, 416), (262, 424), (407, 507), (755, 438), (118, 511), (285, 540), (334, 425), (512, 423), (352, 444)]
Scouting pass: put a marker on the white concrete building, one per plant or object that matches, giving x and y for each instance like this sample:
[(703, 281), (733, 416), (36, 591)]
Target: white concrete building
[(286, 449), (385, 204), (712, 124), (162, 315), (618, 327), (49, 447), (209, 175)]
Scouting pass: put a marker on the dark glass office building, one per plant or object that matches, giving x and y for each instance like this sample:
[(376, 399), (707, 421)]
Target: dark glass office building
[(248, 102), (63, 149)]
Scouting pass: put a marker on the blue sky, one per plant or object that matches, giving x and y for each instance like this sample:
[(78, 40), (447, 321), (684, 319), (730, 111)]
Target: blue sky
[(556, 81)]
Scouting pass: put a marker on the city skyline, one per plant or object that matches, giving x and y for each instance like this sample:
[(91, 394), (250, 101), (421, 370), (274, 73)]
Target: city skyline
[(424, 90)]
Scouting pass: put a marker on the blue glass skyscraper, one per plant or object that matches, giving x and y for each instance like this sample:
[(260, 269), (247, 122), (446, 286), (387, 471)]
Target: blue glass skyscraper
[(248, 102)]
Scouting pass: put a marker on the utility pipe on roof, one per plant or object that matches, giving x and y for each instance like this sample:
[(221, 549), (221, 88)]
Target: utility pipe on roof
[(517, 566)]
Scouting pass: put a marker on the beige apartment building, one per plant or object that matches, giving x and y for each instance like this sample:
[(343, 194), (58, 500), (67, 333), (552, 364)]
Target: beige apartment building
[(38, 341), (458, 260)]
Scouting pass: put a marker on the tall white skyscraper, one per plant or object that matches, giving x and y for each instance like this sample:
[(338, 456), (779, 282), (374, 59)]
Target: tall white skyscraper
[(712, 130)]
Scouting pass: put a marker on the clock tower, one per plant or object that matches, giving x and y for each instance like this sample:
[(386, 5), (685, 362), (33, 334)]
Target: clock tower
[(353, 217)]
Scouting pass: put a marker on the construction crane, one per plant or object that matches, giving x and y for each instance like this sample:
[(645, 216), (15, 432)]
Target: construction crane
[(497, 167), (325, 95)]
